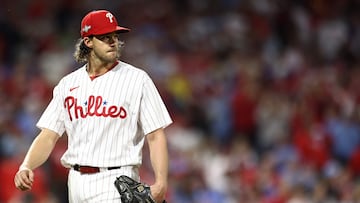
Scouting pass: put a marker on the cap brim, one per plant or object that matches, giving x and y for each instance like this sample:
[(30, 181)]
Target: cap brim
[(122, 29), (117, 29)]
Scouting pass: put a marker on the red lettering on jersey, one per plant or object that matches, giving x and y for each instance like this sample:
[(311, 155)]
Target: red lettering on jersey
[(95, 107)]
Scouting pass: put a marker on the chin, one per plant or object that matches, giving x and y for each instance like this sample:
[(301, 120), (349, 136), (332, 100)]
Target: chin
[(112, 56)]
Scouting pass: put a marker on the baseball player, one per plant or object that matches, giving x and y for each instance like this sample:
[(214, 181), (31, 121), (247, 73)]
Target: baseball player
[(107, 108)]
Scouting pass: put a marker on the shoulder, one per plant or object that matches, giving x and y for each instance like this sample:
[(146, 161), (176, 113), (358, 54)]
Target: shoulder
[(74, 74), (80, 71), (128, 67), (132, 71)]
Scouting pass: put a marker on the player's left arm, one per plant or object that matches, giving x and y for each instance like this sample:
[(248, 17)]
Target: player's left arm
[(160, 163)]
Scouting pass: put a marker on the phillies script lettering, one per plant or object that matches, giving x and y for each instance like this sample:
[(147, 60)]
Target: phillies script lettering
[(95, 107)]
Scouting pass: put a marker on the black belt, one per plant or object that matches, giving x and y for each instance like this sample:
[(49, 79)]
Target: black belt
[(91, 169)]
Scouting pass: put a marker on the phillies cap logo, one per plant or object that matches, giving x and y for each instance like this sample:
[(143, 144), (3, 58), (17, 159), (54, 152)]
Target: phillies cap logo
[(110, 16)]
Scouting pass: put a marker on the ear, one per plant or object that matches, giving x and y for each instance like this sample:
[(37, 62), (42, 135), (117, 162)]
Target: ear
[(88, 42)]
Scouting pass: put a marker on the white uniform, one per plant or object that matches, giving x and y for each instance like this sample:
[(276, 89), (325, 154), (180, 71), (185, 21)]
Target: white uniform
[(105, 119)]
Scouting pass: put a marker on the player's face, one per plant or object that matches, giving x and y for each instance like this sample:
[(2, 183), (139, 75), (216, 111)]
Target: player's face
[(106, 47)]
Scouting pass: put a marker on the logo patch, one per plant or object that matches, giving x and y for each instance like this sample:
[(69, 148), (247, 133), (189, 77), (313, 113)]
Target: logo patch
[(86, 28), (73, 88)]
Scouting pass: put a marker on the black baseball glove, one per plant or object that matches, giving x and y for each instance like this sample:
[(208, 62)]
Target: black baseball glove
[(132, 191)]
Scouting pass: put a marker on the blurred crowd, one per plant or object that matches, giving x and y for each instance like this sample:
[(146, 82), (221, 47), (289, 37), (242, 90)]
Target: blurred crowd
[(265, 94)]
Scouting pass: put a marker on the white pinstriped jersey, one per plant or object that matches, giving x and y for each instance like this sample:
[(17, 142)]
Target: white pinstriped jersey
[(106, 119)]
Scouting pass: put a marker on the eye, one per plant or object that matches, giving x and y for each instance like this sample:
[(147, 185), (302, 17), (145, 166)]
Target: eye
[(103, 37), (107, 38)]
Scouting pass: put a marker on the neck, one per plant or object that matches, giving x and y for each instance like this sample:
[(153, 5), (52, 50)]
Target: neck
[(96, 69)]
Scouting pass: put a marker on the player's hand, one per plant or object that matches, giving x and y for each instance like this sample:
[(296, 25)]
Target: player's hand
[(24, 179), (158, 192)]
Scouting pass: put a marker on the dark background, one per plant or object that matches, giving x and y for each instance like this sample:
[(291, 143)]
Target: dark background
[(265, 94)]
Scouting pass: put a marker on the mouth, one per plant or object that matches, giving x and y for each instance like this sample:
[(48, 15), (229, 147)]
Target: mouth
[(112, 51)]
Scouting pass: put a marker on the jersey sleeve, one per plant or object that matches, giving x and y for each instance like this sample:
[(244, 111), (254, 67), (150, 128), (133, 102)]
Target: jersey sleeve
[(53, 116), (153, 112)]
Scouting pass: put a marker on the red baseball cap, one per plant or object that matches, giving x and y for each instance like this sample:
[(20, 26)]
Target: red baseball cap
[(100, 22)]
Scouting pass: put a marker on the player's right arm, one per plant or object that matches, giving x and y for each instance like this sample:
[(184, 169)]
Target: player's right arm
[(37, 154)]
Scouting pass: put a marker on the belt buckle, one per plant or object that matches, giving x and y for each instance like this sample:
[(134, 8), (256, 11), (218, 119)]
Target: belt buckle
[(76, 167)]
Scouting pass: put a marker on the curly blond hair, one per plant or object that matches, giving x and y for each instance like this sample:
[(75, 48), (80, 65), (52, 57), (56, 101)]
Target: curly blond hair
[(82, 52)]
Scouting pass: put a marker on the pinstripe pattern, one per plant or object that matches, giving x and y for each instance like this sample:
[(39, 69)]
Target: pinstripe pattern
[(98, 187), (105, 118)]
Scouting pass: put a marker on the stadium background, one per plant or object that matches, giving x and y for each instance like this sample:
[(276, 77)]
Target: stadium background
[(265, 94)]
